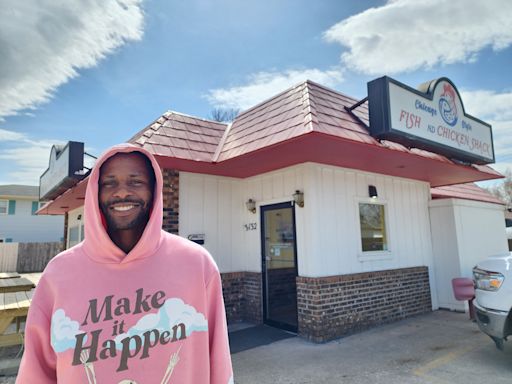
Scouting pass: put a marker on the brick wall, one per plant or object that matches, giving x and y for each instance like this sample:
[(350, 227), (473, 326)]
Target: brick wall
[(253, 298), (242, 296), (171, 190), (329, 307), (233, 292)]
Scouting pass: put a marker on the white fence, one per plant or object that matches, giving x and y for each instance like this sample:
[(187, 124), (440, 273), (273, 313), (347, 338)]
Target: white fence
[(27, 257), (8, 257)]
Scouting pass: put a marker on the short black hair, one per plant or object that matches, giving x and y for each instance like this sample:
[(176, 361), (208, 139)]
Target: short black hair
[(147, 162)]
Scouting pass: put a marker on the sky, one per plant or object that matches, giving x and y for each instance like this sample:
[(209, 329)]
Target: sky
[(98, 71)]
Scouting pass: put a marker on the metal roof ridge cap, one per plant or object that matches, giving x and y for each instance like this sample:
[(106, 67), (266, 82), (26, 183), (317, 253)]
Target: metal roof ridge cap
[(221, 143), (332, 90), (194, 117), (307, 108), (140, 132), (271, 98)]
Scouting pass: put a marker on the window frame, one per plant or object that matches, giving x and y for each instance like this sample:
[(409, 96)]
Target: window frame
[(380, 254), (75, 223), (6, 207), (40, 204), (75, 242)]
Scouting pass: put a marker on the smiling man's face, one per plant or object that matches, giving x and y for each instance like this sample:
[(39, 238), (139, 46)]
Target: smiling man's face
[(126, 186)]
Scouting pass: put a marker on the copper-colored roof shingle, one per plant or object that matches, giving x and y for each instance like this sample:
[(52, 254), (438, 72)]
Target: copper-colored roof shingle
[(468, 191), (184, 137), (300, 115)]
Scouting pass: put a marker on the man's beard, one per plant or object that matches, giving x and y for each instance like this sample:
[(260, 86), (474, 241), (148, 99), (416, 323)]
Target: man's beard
[(138, 221)]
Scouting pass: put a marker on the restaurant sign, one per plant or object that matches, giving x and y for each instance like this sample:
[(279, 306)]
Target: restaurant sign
[(65, 169), (431, 118)]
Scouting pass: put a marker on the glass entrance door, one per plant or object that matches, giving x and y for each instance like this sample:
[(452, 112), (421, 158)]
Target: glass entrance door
[(279, 263)]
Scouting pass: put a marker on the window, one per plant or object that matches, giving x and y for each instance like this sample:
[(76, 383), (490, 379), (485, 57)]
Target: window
[(36, 205), (4, 207), (11, 207), (372, 219), (74, 236)]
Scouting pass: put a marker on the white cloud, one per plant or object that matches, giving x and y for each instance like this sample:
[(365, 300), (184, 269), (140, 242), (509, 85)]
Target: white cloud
[(405, 35), (263, 85), (488, 103), (494, 108), (6, 135), (43, 44), (23, 160)]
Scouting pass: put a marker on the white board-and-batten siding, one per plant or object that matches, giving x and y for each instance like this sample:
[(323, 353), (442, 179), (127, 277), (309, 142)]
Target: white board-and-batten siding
[(464, 232), (328, 234)]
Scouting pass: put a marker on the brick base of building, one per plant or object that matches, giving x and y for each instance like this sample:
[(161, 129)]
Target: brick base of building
[(242, 296), (171, 192), (330, 307)]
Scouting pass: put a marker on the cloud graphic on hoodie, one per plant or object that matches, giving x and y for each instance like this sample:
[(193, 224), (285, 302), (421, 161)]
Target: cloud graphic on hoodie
[(63, 331), (176, 312), (173, 312)]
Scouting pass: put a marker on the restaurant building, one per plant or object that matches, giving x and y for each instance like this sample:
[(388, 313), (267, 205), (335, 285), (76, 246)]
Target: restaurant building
[(325, 214)]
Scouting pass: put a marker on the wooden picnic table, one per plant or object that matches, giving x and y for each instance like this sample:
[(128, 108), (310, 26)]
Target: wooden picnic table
[(15, 296), (9, 275), (13, 308), (15, 284)]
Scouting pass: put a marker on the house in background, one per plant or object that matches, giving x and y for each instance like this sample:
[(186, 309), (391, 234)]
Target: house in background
[(318, 221), (18, 220)]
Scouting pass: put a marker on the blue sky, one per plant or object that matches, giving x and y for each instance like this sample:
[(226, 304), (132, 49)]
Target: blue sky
[(99, 71)]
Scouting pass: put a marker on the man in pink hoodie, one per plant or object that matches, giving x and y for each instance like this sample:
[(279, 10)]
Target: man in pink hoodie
[(131, 303)]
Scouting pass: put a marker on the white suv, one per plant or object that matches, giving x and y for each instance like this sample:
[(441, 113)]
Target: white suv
[(493, 302)]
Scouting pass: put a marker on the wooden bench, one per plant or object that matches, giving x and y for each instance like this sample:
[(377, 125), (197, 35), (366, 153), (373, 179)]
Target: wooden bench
[(8, 275), (15, 285), (13, 308)]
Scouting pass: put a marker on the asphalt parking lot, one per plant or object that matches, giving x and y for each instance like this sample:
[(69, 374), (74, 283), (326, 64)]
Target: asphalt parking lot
[(441, 347)]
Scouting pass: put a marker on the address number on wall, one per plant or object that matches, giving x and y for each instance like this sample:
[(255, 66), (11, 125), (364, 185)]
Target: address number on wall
[(250, 227)]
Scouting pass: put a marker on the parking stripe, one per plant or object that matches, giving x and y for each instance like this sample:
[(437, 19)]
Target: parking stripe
[(440, 361)]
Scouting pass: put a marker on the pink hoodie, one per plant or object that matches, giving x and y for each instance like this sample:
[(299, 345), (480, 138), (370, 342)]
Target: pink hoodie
[(154, 315)]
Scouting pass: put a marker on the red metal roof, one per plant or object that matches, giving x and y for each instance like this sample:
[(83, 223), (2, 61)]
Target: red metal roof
[(468, 191), (71, 199), (181, 136), (306, 123)]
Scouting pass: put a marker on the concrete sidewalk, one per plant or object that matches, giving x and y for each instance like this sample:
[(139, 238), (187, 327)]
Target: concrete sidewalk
[(441, 347)]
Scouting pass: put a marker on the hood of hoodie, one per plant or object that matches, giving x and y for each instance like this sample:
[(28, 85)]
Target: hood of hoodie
[(97, 243)]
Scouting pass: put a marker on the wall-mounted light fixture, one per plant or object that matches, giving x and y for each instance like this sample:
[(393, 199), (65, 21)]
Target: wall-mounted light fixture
[(372, 191), (251, 205), (79, 217), (298, 197)]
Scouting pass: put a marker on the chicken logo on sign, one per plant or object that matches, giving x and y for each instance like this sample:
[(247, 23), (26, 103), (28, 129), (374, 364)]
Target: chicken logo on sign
[(447, 106)]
